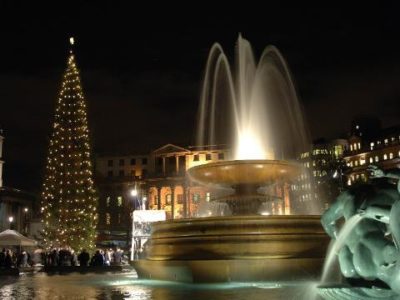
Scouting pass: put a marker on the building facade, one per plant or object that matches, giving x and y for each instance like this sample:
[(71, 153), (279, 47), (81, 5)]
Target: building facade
[(323, 175), (159, 180), (371, 146), (17, 207)]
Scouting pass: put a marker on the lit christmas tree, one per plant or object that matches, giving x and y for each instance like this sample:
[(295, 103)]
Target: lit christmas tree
[(69, 198)]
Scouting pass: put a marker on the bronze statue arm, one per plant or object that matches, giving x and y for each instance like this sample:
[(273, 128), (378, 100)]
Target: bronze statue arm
[(376, 213), (330, 216)]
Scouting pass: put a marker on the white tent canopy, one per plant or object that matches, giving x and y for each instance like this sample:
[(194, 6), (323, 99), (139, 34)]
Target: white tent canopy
[(14, 238)]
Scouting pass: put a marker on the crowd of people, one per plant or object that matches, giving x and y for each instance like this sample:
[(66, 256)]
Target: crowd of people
[(58, 257), (10, 259), (68, 257)]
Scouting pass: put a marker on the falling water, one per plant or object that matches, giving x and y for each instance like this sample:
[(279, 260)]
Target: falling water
[(257, 111), (337, 244)]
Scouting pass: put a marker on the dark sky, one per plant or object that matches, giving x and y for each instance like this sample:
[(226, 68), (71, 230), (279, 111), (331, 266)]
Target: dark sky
[(141, 68)]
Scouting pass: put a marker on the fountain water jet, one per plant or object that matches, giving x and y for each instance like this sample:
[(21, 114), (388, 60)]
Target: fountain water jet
[(261, 110), (338, 244)]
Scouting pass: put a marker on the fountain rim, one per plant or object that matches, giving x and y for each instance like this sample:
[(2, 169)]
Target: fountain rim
[(288, 170)]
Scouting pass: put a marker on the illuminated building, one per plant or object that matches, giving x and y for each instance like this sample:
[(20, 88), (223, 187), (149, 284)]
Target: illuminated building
[(322, 179), (371, 145), (16, 206), (161, 181)]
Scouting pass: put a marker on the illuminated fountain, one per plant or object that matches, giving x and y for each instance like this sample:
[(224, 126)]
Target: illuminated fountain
[(257, 112)]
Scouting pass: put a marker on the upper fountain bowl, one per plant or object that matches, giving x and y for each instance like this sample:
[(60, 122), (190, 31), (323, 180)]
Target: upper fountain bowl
[(244, 172)]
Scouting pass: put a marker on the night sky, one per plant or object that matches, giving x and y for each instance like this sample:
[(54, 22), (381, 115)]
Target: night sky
[(141, 69)]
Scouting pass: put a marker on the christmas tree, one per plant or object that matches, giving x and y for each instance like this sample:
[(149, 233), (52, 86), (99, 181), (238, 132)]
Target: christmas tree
[(68, 197)]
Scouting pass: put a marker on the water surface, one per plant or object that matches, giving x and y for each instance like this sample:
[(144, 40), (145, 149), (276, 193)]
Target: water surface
[(128, 286)]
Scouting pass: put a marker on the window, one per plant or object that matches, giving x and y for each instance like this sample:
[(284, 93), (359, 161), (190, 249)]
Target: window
[(208, 197), (391, 155), (121, 173), (371, 160), (221, 156), (359, 145), (208, 156), (108, 219), (385, 156), (196, 198), (168, 198), (362, 161), (110, 163), (386, 141), (133, 161), (356, 163), (110, 173), (372, 146), (351, 147), (376, 158), (144, 173), (119, 218), (119, 201), (121, 162), (179, 198), (108, 201), (196, 157), (144, 161)]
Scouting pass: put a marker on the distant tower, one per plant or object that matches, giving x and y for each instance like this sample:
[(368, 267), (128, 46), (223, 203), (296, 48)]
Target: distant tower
[(69, 200), (1, 157)]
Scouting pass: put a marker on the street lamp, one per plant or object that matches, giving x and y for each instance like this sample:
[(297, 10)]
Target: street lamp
[(26, 220), (134, 194), (10, 219)]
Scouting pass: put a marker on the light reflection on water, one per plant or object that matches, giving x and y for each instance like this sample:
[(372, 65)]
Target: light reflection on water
[(128, 286)]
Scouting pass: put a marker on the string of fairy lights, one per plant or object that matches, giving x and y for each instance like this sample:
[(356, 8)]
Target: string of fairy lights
[(68, 196)]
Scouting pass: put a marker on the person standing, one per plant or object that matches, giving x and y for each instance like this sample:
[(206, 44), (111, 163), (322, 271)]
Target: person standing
[(83, 258), (2, 257), (8, 262)]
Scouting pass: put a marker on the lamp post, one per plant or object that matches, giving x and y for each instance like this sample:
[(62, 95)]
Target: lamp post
[(134, 194), (26, 220), (10, 219)]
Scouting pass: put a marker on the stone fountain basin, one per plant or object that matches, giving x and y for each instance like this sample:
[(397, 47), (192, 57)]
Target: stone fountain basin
[(235, 248), (244, 172), (233, 237)]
